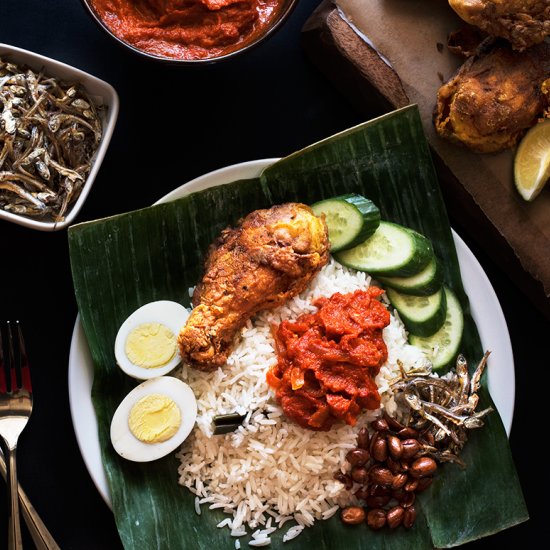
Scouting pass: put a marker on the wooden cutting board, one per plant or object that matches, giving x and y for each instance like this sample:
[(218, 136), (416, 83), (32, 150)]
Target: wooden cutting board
[(384, 54)]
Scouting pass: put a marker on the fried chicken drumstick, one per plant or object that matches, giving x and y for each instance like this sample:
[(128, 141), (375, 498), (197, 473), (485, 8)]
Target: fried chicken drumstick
[(268, 258), (521, 22)]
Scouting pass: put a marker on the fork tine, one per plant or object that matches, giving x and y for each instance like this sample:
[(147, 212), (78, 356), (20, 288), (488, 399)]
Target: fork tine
[(3, 386), (11, 360), (23, 361)]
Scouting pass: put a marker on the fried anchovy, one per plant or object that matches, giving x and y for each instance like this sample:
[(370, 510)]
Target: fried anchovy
[(49, 134), (441, 407)]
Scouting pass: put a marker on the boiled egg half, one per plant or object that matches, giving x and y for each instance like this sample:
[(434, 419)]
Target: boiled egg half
[(154, 419), (146, 344)]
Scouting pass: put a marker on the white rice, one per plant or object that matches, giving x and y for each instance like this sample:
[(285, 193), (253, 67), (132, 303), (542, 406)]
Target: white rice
[(270, 471)]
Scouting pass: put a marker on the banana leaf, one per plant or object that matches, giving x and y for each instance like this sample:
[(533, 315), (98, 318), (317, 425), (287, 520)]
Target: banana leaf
[(122, 262)]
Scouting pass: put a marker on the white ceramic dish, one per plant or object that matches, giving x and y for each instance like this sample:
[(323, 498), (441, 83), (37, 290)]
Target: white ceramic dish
[(102, 92), (485, 307)]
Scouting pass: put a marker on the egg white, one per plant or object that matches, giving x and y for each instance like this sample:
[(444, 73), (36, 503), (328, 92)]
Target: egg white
[(130, 447), (167, 313)]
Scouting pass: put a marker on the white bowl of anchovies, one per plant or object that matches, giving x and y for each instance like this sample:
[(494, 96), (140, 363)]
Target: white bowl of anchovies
[(56, 123)]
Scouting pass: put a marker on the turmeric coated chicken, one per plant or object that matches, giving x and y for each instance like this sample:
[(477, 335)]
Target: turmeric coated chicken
[(268, 258), (521, 22), (495, 96)]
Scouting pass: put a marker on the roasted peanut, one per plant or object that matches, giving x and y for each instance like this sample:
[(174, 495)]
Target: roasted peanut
[(390, 472), (392, 422), (395, 447), (380, 449), (399, 480), (428, 437), (393, 465), (377, 501), (378, 490), (411, 485), (376, 519), (409, 517), (358, 457), (344, 478), (381, 476), (380, 425), (423, 484), (407, 499), (363, 439), (423, 466), (353, 515), (359, 474), (407, 433), (410, 448), (394, 516)]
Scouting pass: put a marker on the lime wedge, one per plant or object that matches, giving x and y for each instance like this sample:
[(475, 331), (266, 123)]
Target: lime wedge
[(532, 161)]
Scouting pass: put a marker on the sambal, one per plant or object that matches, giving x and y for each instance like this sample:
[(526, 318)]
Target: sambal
[(327, 361)]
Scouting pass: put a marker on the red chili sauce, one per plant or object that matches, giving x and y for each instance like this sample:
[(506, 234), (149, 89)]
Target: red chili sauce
[(327, 361), (186, 29)]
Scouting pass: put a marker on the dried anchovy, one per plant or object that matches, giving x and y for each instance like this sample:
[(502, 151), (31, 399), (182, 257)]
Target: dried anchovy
[(443, 409), (49, 133)]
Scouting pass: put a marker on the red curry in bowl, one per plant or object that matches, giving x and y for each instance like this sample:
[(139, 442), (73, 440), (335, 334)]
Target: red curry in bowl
[(187, 29)]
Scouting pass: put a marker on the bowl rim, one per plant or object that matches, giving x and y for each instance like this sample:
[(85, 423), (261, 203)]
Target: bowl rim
[(283, 15), (109, 98)]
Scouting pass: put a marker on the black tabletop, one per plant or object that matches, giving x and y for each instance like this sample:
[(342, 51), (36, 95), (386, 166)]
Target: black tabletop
[(177, 123)]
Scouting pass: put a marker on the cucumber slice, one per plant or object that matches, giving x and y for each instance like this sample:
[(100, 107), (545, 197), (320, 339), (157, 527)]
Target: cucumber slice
[(442, 347), (422, 315), (393, 250), (428, 281), (350, 219)]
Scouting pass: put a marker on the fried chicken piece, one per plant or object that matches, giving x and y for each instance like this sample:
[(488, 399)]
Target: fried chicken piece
[(522, 22), (494, 97), (465, 41), (267, 259)]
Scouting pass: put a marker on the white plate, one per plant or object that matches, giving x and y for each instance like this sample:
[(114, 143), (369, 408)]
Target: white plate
[(485, 307)]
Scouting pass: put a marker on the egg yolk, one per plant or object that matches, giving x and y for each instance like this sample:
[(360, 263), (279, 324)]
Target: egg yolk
[(150, 345), (154, 418)]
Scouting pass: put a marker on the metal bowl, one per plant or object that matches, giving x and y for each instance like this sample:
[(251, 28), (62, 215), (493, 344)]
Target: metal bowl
[(278, 19)]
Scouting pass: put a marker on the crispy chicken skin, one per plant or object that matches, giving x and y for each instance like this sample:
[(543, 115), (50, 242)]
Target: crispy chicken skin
[(494, 97), (268, 258), (521, 22)]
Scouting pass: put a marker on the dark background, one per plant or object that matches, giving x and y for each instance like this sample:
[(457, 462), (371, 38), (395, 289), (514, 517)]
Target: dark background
[(176, 123)]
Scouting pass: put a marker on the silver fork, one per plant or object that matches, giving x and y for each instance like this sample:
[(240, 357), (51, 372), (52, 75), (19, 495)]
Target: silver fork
[(15, 410), (40, 535)]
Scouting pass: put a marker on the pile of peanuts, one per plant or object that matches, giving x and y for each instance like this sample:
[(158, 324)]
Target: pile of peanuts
[(389, 470)]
